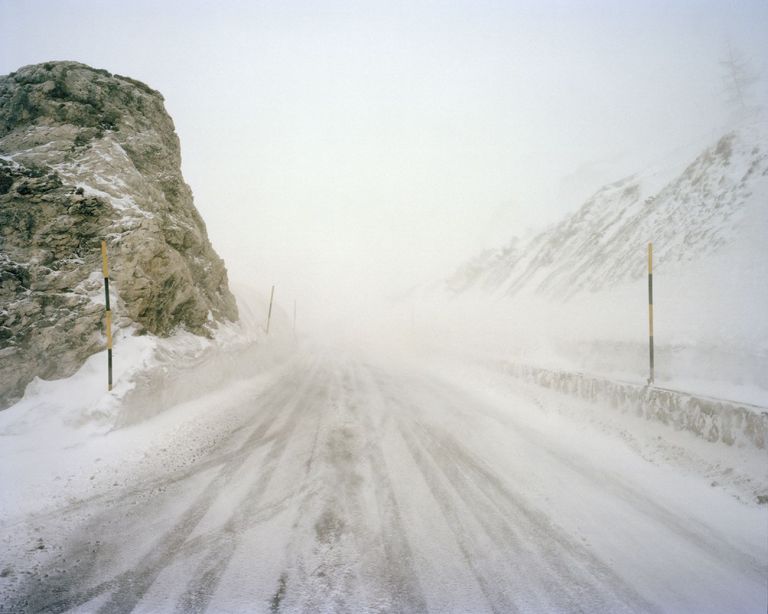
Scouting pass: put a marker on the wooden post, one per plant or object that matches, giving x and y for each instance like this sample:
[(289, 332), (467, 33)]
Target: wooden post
[(650, 310), (107, 312), (269, 313)]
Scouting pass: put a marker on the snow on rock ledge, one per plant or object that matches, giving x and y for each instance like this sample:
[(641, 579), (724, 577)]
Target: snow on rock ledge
[(86, 155)]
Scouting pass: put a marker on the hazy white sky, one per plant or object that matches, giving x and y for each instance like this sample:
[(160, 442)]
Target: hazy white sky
[(353, 147)]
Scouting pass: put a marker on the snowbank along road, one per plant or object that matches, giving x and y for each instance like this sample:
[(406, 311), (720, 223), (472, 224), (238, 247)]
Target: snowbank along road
[(335, 484)]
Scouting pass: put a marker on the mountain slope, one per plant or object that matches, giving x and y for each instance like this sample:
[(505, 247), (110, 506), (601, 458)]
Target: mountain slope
[(698, 211), (574, 297)]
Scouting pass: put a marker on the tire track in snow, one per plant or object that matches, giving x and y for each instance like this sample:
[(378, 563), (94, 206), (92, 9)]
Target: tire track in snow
[(206, 578), (264, 397), (497, 598), (63, 591), (399, 567), (133, 586), (345, 555), (697, 534), (585, 583), (348, 549), (512, 523), (325, 536)]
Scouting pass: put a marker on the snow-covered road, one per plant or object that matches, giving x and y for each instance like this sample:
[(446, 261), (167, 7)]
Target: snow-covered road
[(342, 485)]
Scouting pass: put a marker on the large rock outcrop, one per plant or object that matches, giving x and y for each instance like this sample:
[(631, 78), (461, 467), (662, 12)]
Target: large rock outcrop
[(86, 155)]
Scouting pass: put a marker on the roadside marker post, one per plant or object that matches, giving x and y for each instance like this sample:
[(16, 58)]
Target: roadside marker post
[(650, 311), (107, 312), (269, 313)]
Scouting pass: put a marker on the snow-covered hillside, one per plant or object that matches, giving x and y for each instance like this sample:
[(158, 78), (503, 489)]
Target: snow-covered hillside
[(575, 295), (687, 212)]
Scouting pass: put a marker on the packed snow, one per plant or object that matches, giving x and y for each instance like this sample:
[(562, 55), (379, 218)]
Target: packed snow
[(281, 474)]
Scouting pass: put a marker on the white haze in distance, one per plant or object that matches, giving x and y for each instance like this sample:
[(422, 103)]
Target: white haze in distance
[(346, 151)]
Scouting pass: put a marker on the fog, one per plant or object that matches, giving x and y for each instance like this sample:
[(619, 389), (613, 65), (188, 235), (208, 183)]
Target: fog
[(347, 152), (466, 415)]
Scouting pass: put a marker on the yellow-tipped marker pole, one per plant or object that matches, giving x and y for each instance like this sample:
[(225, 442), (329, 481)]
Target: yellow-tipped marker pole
[(108, 312), (650, 309), (269, 313)]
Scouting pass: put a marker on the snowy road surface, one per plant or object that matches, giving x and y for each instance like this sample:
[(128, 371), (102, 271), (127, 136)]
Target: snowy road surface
[(339, 485)]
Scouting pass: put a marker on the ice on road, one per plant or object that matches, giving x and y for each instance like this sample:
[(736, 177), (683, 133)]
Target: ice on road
[(341, 485)]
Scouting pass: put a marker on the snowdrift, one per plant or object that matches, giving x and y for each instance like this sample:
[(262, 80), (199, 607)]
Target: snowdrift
[(152, 374), (714, 420)]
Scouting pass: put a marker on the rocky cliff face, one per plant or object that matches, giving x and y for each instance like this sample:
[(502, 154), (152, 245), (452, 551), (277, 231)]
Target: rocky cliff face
[(86, 155)]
